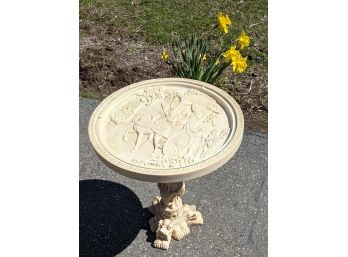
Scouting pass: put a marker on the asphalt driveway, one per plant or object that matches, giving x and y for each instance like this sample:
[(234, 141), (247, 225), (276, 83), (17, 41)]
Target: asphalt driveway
[(232, 200)]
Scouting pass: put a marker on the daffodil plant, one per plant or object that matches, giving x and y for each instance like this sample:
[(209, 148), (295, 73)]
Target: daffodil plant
[(191, 58)]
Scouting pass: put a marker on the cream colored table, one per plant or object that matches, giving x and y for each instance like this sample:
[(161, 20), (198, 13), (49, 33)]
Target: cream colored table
[(167, 131)]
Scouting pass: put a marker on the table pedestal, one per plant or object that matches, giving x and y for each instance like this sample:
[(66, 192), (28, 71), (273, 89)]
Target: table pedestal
[(171, 217)]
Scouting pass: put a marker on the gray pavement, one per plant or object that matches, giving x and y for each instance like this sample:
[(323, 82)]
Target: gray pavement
[(232, 200)]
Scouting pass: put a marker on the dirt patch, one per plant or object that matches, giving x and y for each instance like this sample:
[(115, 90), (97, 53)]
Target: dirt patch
[(112, 63), (108, 63), (251, 92)]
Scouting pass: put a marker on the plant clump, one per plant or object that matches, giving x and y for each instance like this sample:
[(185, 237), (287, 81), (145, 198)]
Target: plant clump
[(192, 58)]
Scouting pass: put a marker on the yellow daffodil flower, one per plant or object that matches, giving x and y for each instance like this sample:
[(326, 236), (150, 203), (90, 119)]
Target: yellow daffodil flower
[(231, 53), (239, 64), (244, 40), (164, 56), (204, 57), (223, 22)]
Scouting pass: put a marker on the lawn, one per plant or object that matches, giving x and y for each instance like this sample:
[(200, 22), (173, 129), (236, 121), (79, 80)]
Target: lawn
[(121, 41)]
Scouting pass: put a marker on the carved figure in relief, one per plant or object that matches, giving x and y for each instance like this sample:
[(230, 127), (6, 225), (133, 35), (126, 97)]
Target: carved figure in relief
[(181, 130), (150, 128)]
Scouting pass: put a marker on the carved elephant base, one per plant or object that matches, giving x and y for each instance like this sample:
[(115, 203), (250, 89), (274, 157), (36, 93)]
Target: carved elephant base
[(171, 218)]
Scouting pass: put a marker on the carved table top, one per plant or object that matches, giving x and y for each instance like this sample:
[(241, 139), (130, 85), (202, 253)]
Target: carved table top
[(166, 130)]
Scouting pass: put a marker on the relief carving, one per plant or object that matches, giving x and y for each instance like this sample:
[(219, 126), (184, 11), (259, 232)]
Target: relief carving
[(183, 127)]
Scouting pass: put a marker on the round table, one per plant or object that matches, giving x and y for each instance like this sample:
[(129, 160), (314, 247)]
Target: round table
[(167, 131)]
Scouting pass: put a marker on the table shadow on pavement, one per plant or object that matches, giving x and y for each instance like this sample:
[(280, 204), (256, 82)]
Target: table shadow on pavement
[(111, 215)]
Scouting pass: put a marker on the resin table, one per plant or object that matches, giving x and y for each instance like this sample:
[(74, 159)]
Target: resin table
[(167, 131)]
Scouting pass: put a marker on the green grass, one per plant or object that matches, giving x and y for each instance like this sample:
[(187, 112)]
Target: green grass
[(159, 21), (87, 94)]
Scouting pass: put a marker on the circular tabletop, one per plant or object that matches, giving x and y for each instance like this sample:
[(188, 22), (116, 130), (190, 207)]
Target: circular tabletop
[(166, 130)]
